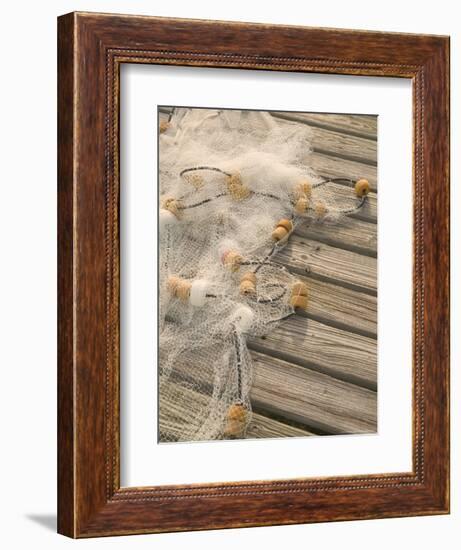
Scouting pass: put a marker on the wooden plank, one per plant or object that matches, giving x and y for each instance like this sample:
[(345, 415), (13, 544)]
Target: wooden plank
[(350, 234), (364, 126), (175, 414), (341, 307), (263, 427), (324, 262), (339, 145), (334, 167), (341, 354), (311, 398)]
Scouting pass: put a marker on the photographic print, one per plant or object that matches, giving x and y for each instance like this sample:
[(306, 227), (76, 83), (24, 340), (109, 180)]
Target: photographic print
[(267, 271)]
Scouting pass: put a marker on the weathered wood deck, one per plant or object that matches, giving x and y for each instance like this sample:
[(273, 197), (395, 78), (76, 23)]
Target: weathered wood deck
[(328, 385)]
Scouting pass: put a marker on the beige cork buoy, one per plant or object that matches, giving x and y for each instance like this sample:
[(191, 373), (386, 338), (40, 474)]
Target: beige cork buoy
[(299, 289), (232, 260), (179, 288), (248, 283), (163, 126), (362, 188), (299, 293), (236, 189), (299, 303), (303, 189), (301, 205), (282, 230), (172, 205), (320, 209), (236, 420)]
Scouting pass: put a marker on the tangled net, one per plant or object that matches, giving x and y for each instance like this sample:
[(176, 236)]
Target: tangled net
[(233, 185)]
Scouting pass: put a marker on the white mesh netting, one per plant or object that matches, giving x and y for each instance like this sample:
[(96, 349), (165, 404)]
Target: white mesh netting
[(233, 187)]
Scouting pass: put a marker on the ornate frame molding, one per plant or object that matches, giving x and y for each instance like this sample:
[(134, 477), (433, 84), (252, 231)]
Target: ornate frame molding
[(91, 49)]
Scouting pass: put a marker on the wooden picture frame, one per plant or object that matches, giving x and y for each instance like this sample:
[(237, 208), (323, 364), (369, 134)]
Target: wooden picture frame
[(91, 49)]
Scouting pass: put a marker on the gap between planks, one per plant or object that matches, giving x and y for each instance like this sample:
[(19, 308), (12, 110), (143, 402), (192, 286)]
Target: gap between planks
[(312, 398), (340, 144), (341, 307), (306, 256), (351, 234), (341, 354), (363, 126)]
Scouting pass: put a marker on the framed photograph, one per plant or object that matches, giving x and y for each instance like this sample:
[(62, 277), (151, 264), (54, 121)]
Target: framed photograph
[(253, 259)]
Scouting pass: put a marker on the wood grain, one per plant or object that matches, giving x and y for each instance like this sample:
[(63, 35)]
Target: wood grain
[(311, 398), (341, 307), (363, 126), (327, 263), (339, 144), (342, 354), (91, 500), (66, 291), (336, 167), (263, 427), (352, 234)]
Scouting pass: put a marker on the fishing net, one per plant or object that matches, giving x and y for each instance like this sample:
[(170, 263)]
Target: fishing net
[(234, 185)]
